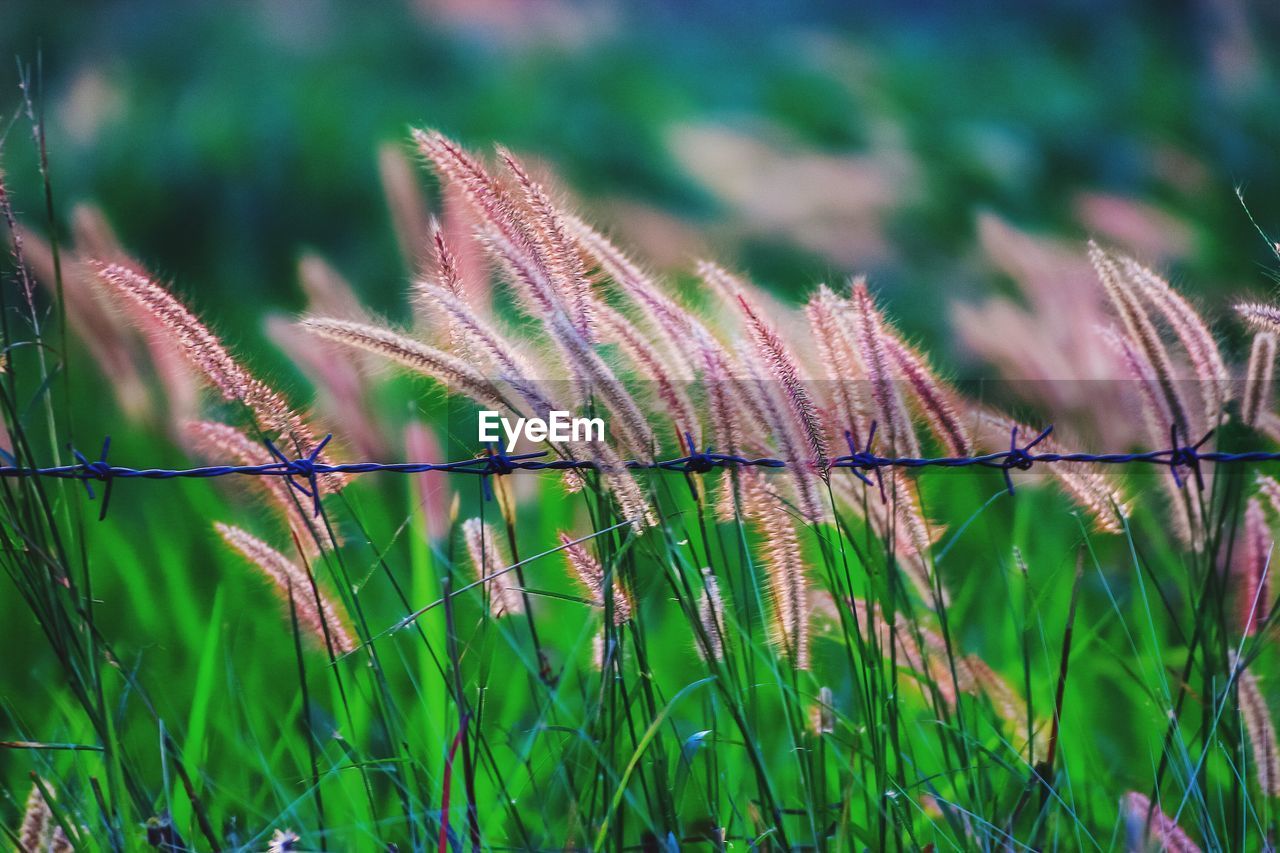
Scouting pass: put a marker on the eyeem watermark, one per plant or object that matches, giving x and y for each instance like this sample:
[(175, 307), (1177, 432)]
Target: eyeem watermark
[(558, 426)]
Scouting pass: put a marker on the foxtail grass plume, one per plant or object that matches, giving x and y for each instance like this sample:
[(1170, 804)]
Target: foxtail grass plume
[(711, 617), (448, 267), (1259, 379), (935, 400), (449, 281), (864, 346), (1193, 335), (36, 830), (844, 372), (1140, 298), (406, 204), (1259, 729), (591, 575), (627, 422), (320, 616), (560, 250), (39, 831), (768, 392), (1148, 829), (890, 409), (672, 323), (501, 225), (804, 427), (784, 567), (530, 240), (59, 843), (207, 354), (1160, 411), (1260, 315), (719, 384), (409, 353), (1155, 403), (782, 366), (476, 341), (760, 401), (504, 230), (490, 564), (1252, 569), (760, 410), (1141, 333), (654, 368), (344, 392), (1269, 488)]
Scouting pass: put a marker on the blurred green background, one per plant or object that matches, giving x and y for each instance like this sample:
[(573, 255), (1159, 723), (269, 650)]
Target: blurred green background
[(797, 142), (805, 141)]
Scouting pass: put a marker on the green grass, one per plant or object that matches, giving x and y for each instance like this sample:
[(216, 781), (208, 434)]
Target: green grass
[(169, 658), (157, 682)]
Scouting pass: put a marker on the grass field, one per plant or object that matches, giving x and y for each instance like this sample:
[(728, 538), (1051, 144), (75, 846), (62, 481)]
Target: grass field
[(804, 656)]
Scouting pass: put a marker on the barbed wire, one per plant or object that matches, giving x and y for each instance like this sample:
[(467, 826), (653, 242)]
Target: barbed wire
[(303, 472)]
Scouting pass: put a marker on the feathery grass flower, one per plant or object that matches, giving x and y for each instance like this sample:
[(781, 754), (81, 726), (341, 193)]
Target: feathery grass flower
[(207, 354), (1259, 729), (322, 617), (711, 617), (590, 574), (490, 564), (1259, 379), (1149, 829), (412, 354)]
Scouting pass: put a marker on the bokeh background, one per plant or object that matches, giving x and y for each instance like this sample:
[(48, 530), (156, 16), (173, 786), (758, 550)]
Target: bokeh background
[(920, 143), (799, 142)]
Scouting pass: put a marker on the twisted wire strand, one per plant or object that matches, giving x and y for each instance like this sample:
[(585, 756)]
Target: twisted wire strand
[(303, 472)]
